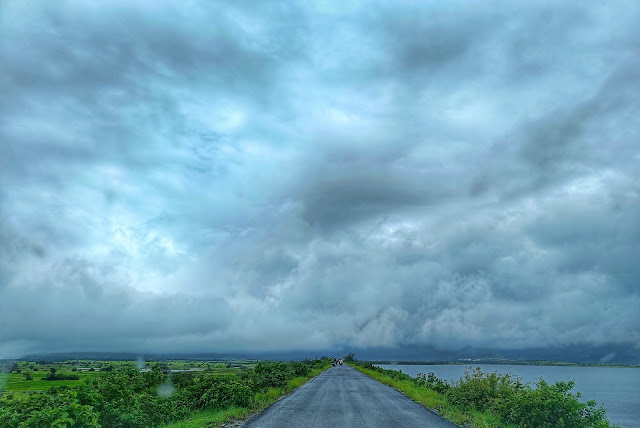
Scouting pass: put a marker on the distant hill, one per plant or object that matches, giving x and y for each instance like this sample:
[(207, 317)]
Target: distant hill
[(623, 354), (129, 356)]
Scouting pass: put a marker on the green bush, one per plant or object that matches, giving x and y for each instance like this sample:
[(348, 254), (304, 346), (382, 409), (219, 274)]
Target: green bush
[(549, 406), (301, 368), (545, 406), (126, 398), (269, 374), (129, 399), (57, 408), (210, 392), (223, 391), (432, 382), (182, 379), (481, 391), (505, 399), (58, 376)]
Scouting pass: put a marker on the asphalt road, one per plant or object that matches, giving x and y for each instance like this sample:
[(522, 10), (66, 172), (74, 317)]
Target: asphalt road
[(344, 397)]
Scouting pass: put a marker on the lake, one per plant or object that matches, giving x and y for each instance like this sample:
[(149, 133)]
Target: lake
[(617, 388)]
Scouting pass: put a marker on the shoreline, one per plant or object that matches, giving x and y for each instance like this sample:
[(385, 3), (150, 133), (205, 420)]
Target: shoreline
[(499, 362)]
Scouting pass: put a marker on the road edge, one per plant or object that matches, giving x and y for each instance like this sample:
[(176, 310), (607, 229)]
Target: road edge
[(432, 410), (238, 423)]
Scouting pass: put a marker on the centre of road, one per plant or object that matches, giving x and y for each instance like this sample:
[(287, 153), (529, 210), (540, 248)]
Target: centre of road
[(343, 397)]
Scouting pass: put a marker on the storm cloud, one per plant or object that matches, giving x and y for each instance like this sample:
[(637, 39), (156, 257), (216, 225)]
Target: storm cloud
[(224, 176)]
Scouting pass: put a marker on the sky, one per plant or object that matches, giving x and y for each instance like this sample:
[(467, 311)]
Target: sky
[(198, 176)]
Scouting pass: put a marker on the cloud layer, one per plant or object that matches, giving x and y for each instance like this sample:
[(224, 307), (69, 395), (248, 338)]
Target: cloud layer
[(202, 176)]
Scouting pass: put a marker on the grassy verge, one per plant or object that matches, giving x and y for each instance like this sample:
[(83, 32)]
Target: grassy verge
[(435, 401), (211, 418), (489, 400), (261, 400)]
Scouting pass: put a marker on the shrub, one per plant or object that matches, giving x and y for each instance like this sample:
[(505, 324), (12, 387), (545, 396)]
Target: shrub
[(505, 400), (545, 406), (301, 368), (127, 398), (59, 376), (57, 408), (481, 391), (216, 392), (222, 392), (432, 382), (549, 406), (272, 374), (182, 379)]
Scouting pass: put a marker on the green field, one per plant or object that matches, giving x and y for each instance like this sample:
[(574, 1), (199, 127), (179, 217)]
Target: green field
[(169, 393), (27, 376), (15, 382)]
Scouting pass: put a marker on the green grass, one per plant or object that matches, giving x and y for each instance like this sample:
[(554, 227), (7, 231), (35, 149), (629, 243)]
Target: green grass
[(211, 418), (424, 396), (261, 401), (436, 402), (16, 382), (16, 385)]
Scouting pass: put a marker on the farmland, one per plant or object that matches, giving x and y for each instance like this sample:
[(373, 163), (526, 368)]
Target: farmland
[(88, 393), (28, 376)]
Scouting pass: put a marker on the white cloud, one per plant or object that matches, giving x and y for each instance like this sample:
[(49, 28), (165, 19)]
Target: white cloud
[(207, 176)]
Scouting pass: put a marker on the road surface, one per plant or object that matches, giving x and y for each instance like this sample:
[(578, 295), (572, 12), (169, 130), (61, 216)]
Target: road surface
[(344, 397)]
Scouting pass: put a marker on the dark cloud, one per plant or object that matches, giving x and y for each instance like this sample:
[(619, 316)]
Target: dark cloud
[(341, 196), (215, 177)]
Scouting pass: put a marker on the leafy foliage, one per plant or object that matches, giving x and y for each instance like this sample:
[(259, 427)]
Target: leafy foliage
[(217, 392), (549, 406), (272, 374), (432, 382), (57, 408), (478, 390), (60, 376), (127, 398), (504, 397)]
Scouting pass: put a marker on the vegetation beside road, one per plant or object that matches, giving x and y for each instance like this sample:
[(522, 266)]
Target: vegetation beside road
[(25, 377), (262, 399), (492, 400), (125, 396)]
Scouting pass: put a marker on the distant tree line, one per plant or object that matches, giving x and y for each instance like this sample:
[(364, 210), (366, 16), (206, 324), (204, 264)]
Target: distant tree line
[(59, 376)]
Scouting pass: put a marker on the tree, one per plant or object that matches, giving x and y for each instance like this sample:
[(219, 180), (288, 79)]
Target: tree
[(351, 357)]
